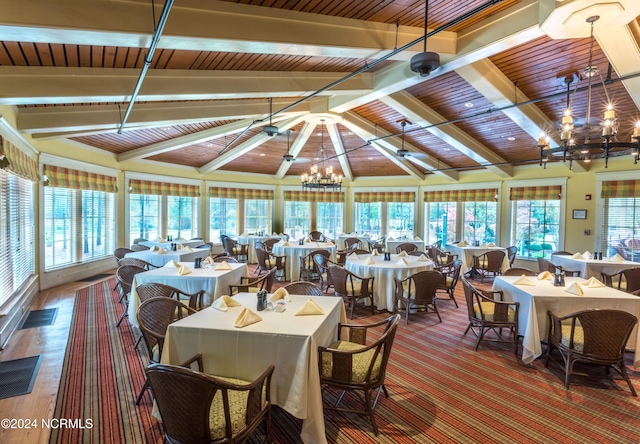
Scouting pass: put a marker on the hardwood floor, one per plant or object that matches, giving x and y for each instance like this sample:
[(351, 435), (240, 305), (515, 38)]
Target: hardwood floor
[(51, 343)]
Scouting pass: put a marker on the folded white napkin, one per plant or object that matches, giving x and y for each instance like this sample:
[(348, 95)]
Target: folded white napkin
[(375, 253), (586, 255), (417, 238), (224, 266), (577, 256), (523, 280), (172, 264), (369, 261), (545, 276), (155, 248), (188, 249), (484, 246), (491, 244), (284, 243), (162, 251), (279, 294), (224, 302), (402, 254), (424, 258), (593, 283), (281, 234), (576, 289), (178, 247), (354, 256), (402, 261), (246, 317), (275, 234), (616, 258), (462, 244), (390, 238), (207, 260), (310, 308), (183, 270)]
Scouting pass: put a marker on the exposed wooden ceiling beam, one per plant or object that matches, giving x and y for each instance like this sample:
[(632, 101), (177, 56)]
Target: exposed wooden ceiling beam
[(332, 129), (297, 145)]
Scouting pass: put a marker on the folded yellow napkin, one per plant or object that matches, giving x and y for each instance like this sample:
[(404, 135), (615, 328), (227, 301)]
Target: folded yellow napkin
[(188, 249), (224, 266), (172, 264), (162, 251), (207, 260), (484, 246), (402, 261), (284, 243), (462, 244), (279, 294), (310, 308), (183, 270), (246, 317), (523, 280), (178, 246), (224, 302), (576, 289), (402, 254), (275, 234), (577, 256), (424, 258), (586, 255), (281, 234), (545, 276), (354, 256), (491, 244), (307, 240), (155, 248), (417, 238), (375, 253), (593, 283), (369, 261), (616, 258), (390, 238)]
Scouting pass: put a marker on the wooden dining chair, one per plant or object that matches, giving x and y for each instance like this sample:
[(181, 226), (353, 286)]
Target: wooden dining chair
[(407, 247), (305, 288), (124, 276), (489, 262), (352, 288), (254, 285), (418, 293)]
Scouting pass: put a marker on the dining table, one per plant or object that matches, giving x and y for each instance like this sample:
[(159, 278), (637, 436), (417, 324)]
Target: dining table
[(294, 251), (592, 267), (251, 240), (467, 252), (159, 257), (384, 273), (214, 282), (282, 339), (392, 244), (363, 238), (163, 243), (541, 295)]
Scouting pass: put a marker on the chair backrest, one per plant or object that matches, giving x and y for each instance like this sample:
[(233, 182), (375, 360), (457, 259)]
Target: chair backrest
[(406, 247), (473, 298), (360, 251), (184, 398), (454, 273), (632, 276), (259, 244), (229, 259), (228, 244), (516, 271), (139, 247), (306, 288), (269, 243), (270, 278), (376, 245), (350, 242), (197, 238), (421, 286), (561, 253), (494, 260), (137, 262), (316, 236), (545, 265), (120, 252), (125, 274), (151, 290), (154, 316), (137, 240), (262, 256), (512, 251), (339, 278)]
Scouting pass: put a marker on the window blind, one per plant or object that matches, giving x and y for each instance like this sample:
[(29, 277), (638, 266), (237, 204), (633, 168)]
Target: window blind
[(551, 192), (18, 162), (240, 193), (479, 195), (137, 186), (313, 196), (385, 196)]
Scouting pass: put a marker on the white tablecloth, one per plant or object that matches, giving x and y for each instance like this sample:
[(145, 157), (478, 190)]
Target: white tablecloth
[(214, 283), (167, 244), (294, 252), (465, 254), (364, 241), (251, 242), (591, 268), (289, 342), (537, 299), (392, 245), (159, 260), (384, 272)]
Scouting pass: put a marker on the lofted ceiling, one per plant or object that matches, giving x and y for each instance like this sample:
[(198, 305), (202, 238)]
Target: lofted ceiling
[(315, 69)]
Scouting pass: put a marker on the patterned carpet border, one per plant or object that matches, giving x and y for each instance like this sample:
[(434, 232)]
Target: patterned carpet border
[(441, 390)]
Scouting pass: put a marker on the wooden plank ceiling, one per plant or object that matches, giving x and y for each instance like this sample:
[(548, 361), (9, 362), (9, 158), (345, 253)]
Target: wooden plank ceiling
[(453, 122)]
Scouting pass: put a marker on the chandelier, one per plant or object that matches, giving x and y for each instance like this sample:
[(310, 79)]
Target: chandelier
[(600, 141), (321, 177)]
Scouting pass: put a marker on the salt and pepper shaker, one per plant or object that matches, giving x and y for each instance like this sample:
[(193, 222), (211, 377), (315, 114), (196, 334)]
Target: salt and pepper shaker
[(262, 300)]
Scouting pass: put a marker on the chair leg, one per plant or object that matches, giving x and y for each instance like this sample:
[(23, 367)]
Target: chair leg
[(623, 372), (145, 386), (125, 314), (370, 413)]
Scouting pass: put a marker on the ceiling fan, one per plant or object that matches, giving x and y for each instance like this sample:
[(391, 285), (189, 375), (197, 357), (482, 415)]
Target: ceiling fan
[(290, 157), (402, 152), (271, 130)]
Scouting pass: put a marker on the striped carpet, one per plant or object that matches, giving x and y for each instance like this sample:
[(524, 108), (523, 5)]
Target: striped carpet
[(441, 391)]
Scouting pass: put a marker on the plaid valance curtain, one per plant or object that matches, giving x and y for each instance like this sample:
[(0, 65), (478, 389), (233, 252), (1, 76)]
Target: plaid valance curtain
[(481, 195), (313, 196), (621, 188), (385, 196), (18, 162), (536, 193), (137, 186), (78, 180), (240, 193)]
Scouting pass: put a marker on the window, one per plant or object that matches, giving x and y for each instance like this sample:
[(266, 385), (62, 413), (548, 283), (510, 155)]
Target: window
[(380, 213), (144, 216), (17, 252), (329, 219), (621, 219), (400, 216), (224, 217), (441, 217), (297, 219), (480, 222), (257, 215), (535, 225), (182, 217), (369, 218), (97, 224)]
